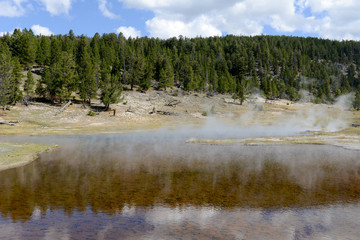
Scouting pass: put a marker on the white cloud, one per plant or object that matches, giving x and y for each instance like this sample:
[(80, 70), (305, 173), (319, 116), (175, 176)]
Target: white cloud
[(103, 7), (340, 21), (11, 8), (57, 7), (334, 19), (250, 16), (129, 32), (212, 17), (39, 30), (163, 28)]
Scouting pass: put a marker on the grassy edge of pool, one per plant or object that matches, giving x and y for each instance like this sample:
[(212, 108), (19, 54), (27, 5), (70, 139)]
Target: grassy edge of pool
[(17, 155), (340, 139)]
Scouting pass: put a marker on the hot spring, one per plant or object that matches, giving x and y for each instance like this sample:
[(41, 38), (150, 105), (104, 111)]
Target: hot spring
[(155, 186)]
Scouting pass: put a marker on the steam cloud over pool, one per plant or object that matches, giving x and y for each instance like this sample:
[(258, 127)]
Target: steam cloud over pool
[(154, 185)]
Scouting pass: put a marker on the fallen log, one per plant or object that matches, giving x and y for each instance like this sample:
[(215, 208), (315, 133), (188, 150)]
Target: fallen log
[(355, 124), (63, 108), (164, 113), (173, 103), (11, 123)]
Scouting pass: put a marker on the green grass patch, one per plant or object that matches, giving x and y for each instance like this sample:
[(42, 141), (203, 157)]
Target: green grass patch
[(12, 155)]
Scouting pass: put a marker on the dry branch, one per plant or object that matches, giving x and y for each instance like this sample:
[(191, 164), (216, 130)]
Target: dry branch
[(11, 123), (164, 113), (63, 108), (154, 111), (173, 103)]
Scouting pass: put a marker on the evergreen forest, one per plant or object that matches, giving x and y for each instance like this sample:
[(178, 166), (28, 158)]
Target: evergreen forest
[(100, 67)]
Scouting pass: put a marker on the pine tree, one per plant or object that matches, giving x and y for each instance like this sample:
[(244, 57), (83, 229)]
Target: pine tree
[(15, 93), (86, 72), (62, 78), (186, 74), (29, 84), (111, 87), (162, 79), (43, 84), (43, 51), (145, 83), (69, 42), (6, 71), (241, 88), (166, 76), (94, 44), (264, 85), (351, 75), (136, 69), (55, 50), (24, 46), (356, 102)]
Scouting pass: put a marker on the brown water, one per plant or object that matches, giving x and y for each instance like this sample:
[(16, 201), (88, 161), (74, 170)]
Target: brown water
[(101, 188)]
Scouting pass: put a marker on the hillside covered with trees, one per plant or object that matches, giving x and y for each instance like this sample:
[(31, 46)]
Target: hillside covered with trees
[(100, 66)]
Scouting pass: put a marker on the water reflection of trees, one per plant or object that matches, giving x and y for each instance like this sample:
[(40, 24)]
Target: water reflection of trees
[(110, 186)]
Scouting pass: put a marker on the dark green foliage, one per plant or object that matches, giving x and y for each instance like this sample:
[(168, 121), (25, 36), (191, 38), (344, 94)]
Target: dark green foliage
[(186, 74), (6, 71), (91, 113), (145, 83), (43, 83), (62, 78), (111, 85), (240, 89), (55, 52), (166, 76), (29, 84), (15, 92), (43, 51), (136, 69), (24, 46), (278, 66), (356, 103), (86, 72)]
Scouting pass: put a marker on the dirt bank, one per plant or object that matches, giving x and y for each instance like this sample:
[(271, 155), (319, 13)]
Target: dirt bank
[(172, 108)]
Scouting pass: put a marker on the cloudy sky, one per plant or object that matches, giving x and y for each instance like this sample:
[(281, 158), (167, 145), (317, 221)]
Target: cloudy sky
[(332, 19)]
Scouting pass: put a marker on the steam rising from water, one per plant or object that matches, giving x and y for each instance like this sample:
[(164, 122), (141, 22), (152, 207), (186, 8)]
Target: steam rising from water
[(304, 165), (329, 118), (160, 187), (309, 117)]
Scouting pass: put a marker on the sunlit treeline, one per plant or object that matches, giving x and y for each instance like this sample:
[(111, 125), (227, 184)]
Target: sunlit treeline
[(99, 66)]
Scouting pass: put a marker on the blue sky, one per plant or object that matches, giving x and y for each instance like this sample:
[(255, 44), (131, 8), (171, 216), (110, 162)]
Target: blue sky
[(332, 19)]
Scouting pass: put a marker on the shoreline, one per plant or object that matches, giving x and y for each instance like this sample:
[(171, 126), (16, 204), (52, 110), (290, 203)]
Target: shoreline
[(18, 155), (329, 124), (14, 155)]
